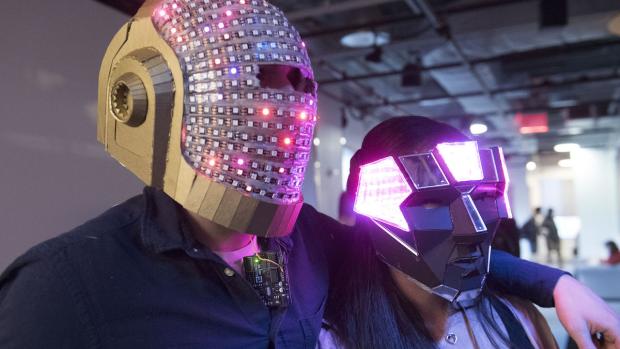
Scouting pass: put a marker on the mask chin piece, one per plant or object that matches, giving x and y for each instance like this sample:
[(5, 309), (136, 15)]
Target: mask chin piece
[(463, 299)]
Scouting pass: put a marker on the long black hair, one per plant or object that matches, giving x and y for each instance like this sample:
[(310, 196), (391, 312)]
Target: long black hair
[(365, 307)]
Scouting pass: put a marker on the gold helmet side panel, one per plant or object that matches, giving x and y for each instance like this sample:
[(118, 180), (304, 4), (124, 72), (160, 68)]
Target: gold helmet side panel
[(140, 120)]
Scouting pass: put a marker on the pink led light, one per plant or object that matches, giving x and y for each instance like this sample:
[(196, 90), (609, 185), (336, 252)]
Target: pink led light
[(240, 162), (220, 25), (162, 13), (242, 2), (248, 188), (174, 6), (265, 111), (462, 159), (281, 170), (207, 29), (382, 189), (228, 13), (507, 179), (212, 162), (173, 30), (179, 39), (303, 44), (287, 141), (303, 115)]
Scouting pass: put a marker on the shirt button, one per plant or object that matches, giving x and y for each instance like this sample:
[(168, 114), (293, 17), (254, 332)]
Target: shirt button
[(229, 272), (451, 338)]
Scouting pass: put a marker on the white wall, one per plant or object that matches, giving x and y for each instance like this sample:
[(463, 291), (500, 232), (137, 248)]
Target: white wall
[(53, 173), (518, 193), (328, 157), (596, 191)]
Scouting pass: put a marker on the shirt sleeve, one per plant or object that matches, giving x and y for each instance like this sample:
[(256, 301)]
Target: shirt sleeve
[(524, 279), (37, 309)]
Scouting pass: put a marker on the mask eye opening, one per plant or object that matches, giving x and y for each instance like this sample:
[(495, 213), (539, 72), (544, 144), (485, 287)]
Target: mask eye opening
[(284, 77)]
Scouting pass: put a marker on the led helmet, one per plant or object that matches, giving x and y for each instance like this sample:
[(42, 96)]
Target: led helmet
[(214, 102), (437, 212)]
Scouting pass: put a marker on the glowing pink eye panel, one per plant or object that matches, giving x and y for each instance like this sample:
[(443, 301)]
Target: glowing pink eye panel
[(382, 189), (462, 159)]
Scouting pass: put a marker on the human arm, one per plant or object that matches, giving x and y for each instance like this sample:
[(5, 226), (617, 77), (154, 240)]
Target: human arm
[(581, 312), (522, 278), (584, 314)]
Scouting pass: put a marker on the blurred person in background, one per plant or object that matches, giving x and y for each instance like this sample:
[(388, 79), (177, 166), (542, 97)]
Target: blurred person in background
[(614, 253), (550, 231), (531, 230)]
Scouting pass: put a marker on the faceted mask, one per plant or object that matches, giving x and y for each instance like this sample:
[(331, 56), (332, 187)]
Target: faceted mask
[(437, 213), (213, 101)]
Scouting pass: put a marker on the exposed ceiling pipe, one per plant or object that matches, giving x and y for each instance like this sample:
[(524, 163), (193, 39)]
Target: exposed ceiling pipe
[(532, 109), (539, 52), (442, 30), (364, 89), (335, 8), (405, 43), (544, 84), (452, 10)]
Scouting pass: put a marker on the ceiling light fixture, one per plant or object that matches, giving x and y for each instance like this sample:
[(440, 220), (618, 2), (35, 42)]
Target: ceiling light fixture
[(412, 75), (365, 39), (566, 147), (566, 163), (376, 56), (478, 128), (531, 166)]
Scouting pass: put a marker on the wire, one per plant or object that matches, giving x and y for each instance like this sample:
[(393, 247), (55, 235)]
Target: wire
[(257, 256)]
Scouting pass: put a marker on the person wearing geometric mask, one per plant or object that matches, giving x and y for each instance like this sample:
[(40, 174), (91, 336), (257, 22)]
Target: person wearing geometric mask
[(212, 104), (429, 201)]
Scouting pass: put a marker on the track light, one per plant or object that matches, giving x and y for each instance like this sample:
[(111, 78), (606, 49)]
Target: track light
[(376, 55), (412, 75)]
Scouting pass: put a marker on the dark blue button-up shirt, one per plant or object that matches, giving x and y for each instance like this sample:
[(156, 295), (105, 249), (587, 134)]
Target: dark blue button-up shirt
[(135, 278)]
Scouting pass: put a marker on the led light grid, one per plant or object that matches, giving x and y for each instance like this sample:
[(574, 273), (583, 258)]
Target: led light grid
[(255, 139), (462, 159), (382, 189)]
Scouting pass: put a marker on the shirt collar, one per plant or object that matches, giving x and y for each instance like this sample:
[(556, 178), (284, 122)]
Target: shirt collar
[(161, 229)]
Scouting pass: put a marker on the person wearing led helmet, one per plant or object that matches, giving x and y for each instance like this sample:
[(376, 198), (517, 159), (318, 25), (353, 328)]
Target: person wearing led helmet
[(212, 104), (429, 202)]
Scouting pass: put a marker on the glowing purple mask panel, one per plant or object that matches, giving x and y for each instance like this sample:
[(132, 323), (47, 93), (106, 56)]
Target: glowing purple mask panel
[(506, 203), (382, 189), (462, 159)]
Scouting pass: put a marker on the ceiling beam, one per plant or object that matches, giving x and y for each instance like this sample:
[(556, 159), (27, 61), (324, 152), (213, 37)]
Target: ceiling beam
[(611, 42), (443, 30), (338, 7), (494, 92)]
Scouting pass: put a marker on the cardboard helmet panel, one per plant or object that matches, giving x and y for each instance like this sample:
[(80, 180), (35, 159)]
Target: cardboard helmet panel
[(214, 102), (437, 213)]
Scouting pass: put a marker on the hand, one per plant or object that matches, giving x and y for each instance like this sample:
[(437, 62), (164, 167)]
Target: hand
[(585, 315)]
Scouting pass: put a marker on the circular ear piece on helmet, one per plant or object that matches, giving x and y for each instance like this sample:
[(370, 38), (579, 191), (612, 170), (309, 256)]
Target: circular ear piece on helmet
[(128, 100)]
